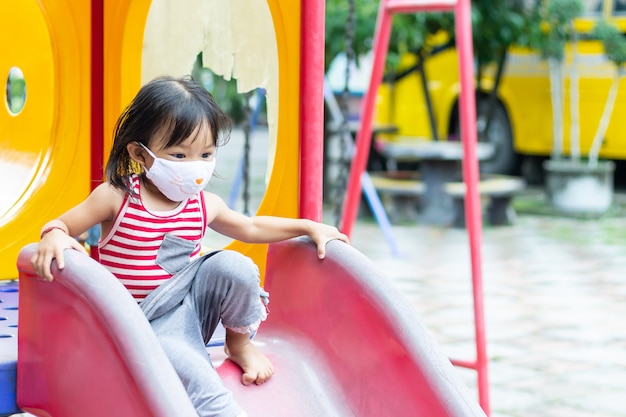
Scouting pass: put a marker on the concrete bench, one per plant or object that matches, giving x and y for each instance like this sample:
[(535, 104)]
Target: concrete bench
[(400, 193), (439, 163), (499, 189), (397, 185)]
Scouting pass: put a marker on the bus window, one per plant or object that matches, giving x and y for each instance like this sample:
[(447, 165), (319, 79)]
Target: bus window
[(619, 7), (592, 7)]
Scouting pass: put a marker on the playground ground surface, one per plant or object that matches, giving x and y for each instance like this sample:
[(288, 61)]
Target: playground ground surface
[(554, 295)]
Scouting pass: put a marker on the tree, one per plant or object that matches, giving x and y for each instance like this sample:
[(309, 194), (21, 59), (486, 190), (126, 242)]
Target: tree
[(614, 46), (407, 36), (573, 186), (551, 30)]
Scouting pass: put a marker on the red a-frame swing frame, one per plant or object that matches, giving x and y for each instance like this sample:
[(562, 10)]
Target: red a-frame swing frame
[(467, 109)]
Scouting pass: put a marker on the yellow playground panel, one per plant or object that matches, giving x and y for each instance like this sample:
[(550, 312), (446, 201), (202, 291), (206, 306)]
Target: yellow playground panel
[(46, 152)]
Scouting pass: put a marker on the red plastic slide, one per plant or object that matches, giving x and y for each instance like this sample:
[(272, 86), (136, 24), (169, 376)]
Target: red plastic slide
[(342, 341)]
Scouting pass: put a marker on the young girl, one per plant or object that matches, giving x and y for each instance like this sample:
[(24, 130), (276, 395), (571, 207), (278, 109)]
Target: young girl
[(153, 214)]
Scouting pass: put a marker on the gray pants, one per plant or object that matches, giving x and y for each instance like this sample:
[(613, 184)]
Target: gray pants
[(185, 313)]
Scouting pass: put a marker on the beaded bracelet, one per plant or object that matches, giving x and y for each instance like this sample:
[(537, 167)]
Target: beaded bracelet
[(49, 229)]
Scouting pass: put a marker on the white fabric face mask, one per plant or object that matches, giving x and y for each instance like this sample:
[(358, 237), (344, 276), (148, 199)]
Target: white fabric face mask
[(179, 181)]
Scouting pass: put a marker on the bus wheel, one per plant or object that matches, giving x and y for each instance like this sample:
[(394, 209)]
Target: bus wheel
[(500, 134)]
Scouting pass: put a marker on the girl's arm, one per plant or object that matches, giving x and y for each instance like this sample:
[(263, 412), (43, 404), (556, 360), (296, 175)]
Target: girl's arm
[(267, 229), (58, 234)]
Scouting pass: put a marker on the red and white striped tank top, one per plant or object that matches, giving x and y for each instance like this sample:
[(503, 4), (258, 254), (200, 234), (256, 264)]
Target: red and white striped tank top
[(130, 248)]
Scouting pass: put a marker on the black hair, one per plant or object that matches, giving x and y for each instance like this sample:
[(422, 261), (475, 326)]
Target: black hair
[(173, 107)]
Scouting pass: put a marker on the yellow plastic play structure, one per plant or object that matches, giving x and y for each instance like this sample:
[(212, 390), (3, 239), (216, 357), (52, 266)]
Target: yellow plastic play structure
[(44, 156), (80, 70)]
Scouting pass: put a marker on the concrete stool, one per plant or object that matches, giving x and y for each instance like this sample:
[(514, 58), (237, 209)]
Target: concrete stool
[(400, 194), (499, 189)]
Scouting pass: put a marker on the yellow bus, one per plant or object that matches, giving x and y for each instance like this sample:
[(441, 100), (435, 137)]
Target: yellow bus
[(521, 123)]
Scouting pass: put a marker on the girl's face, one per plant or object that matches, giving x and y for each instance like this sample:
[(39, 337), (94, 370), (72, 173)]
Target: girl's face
[(199, 146), (176, 172)]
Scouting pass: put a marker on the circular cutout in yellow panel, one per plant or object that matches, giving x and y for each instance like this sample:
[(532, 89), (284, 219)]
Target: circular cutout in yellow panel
[(15, 91)]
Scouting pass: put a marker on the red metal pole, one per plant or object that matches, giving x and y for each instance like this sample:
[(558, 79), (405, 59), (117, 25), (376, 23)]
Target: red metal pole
[(467, 110), (311, 108), (97, 100), (97, 92), (467, 106), (411, 6), (364, 135)]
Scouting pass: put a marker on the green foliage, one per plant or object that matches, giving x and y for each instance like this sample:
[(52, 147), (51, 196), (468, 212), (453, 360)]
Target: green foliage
[(224, 91), (15, 91), (336, 17), (228, 98), (562, 12), (612, 40), (497, 24), (407, 34), (552, 27)]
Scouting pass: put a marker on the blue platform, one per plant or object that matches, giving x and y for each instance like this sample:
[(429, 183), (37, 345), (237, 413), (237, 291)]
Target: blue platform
[(8, 347)]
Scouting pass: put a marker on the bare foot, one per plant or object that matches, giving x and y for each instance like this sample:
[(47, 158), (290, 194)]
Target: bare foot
[(255, 365)]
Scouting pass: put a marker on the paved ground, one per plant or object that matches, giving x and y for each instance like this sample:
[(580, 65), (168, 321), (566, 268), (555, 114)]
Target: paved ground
[(554, 299), (554, 291)]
